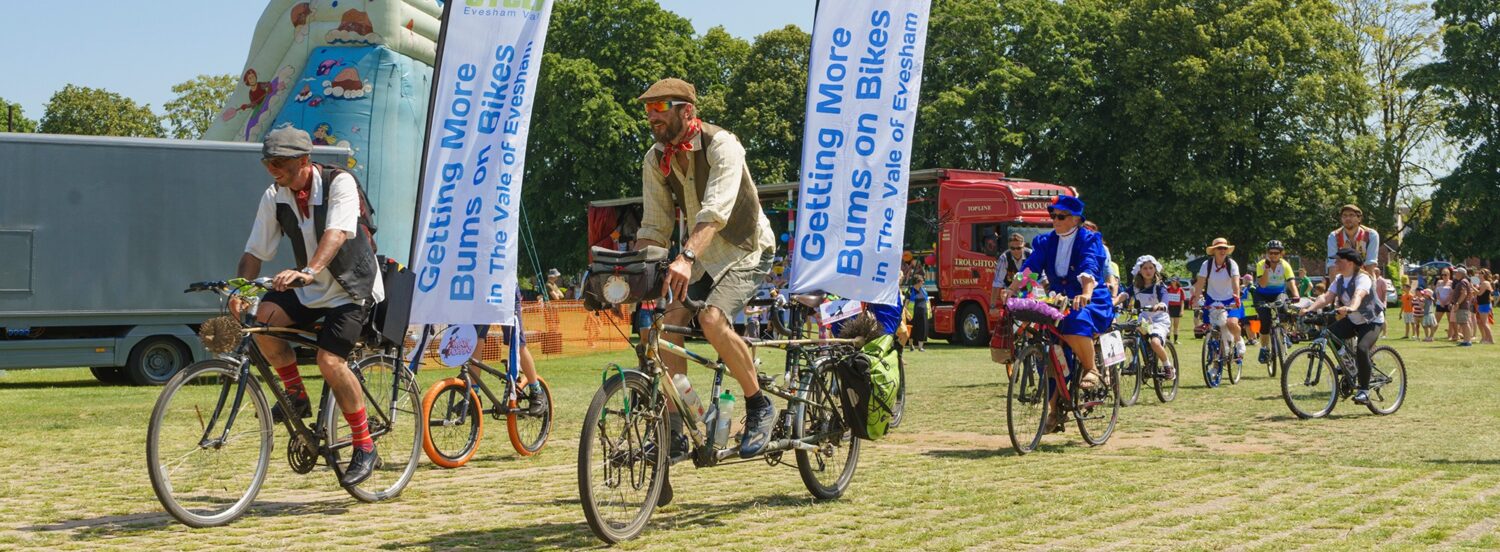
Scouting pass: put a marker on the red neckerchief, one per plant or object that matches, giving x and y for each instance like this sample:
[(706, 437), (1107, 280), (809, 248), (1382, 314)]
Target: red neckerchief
[(694, 126), (303, 196)]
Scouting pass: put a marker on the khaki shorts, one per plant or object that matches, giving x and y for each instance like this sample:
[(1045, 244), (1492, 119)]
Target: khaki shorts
[(1461, 315), (734, 288)]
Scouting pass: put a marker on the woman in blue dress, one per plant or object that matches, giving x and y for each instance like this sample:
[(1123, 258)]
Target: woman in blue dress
[(1072, 260)]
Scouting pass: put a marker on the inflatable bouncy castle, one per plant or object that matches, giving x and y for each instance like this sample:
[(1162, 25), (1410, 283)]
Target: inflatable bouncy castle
[(352, 73)]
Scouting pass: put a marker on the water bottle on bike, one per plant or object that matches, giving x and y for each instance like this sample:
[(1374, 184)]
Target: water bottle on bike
[(689, 396), (721, 417)]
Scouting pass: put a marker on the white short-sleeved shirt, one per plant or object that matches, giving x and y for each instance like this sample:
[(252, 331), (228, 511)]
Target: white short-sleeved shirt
[(1368, 310), (1218, 281), (343, 214)]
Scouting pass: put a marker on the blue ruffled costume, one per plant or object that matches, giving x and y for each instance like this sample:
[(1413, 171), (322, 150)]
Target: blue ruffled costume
[(1087, 258)]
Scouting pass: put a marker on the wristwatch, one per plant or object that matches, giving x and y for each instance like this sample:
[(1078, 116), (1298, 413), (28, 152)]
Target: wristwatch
[(690, 256), (309, 271)]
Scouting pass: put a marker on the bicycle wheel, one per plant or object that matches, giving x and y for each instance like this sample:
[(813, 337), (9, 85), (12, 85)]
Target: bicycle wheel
[(1210, 360), (204, 469), (1387, 381), (1275, 354), (454, 423), (900, 410), (1098, 409), (1133, 371), (618, 480), (1166, 388), (528, 431), (827, 471), (1232, 363), (394, 410), (1026, 399), (1309, 384)]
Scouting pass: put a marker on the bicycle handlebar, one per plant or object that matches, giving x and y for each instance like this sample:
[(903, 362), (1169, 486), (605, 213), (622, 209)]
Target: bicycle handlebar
[(227, 286)]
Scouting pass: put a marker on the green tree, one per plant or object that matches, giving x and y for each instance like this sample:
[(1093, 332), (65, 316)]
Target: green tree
[(1391, 136), (568, 158), (196, 106), (719, 57), (12, 119), (767, 104), (1465, 208), (1218, 116), (98, 112)]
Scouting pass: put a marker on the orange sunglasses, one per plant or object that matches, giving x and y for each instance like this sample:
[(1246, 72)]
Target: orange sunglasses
[(663, 105)]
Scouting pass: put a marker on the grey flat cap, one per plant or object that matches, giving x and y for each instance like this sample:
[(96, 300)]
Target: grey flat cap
[(287, 141)]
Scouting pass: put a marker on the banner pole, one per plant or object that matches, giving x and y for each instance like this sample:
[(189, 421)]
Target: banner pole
[(437, 66)]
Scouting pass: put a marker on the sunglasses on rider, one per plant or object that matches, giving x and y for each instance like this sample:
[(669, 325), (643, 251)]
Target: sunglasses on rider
[(1060, 216), (1015, 248), (663, 105)]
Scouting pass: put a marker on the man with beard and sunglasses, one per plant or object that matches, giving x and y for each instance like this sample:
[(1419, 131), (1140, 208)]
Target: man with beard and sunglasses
[(728, 249)]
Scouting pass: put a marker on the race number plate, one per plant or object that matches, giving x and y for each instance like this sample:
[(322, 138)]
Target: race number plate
[(1111, 349)]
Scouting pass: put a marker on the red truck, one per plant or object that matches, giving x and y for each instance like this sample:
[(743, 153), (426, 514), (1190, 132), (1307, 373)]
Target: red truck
[(977, 212), (971, 206)]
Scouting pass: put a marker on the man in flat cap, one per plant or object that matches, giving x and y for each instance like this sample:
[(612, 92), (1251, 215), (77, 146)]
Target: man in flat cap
[(1352, 234), (700, 168), (318, 209)]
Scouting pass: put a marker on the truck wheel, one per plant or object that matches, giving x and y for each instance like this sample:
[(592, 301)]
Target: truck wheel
[(155, 360), (110, 375), (971, 328)]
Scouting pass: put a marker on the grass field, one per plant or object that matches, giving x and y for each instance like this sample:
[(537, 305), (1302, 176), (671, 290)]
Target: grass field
[(1225, 468)]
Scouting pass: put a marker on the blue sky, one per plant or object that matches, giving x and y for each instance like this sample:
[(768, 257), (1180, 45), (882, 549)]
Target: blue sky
[(140, 49)]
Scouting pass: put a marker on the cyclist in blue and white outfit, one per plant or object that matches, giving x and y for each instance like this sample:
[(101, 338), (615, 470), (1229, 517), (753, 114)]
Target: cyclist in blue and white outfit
[(1218, 285), (1072, 260), (1149, 292)]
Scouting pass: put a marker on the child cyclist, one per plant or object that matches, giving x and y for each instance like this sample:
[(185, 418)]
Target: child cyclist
[(1149, 293)]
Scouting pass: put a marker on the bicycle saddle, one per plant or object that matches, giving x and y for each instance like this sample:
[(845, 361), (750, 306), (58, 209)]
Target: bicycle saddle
[(810, 300)]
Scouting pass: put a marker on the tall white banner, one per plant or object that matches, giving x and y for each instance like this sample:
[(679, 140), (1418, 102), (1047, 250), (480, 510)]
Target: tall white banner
[(862, 91), (465, 249)]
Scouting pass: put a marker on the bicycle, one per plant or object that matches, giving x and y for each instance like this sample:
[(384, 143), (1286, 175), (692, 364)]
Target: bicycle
[(454, 414), (216, 412), (1280, 339), (1312, 382), (623, 452), (1218, 358), (1041, 378), (1143, 363)]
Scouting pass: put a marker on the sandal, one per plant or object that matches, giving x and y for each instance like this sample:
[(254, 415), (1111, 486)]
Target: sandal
[(1090, 380)]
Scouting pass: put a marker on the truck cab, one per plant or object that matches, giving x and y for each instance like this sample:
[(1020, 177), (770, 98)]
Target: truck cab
[(978, 211)]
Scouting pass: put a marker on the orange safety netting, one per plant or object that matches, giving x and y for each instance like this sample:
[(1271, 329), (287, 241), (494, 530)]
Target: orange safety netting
[(556, 328)]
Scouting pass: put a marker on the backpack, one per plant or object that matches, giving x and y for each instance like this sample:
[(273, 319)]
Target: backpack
[(871, 378), (366, 212)]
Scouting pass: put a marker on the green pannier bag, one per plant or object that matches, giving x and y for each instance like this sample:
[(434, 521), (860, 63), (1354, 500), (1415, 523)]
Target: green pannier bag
[(871, 378)]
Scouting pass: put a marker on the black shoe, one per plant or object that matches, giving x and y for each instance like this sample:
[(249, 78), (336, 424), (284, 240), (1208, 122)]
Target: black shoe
[(1362, 397), (758, 424), (539, 404), (302, 405), (679, 447), (361, 465)]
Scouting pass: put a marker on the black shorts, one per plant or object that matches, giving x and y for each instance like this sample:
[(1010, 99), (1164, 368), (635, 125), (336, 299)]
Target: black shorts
[(1442, 308), (1174, 311), (341, 325), (1265, 314)]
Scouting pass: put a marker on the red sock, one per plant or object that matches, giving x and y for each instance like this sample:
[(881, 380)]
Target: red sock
[(359, 430), (292, 380)]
